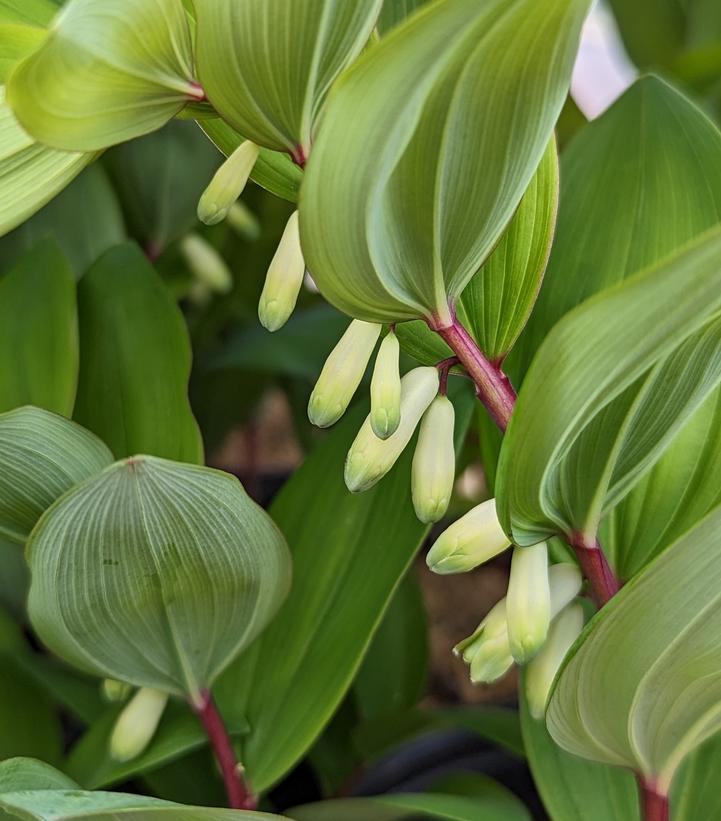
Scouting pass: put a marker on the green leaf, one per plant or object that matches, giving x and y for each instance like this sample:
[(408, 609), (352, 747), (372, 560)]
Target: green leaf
[(159, 179), (17, 40), (14, 580), (394, 671), (694, 794), (33, 12), (273, 171), (498, 301), (607, 392), (135, 361), (85, 220), (400, 200), (641, 687), (106, 74), (136, 577), (654, 45), (41, 456), (349, 553), (573, 788), (31, 174), (28, 774), (74, 805), (39, 332), (179, 733), (271, 88), (395, 11)]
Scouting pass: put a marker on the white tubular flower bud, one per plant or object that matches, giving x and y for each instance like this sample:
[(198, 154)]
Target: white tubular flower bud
[(370, 458), (243, 221), (137, 724), (283, 280), (206, 264), (528, 601), (115, 691), (565, 583), (342, 373), (486, 650), (227, 184), (434, 462), (542, 670), (386, 389), (473, 539)]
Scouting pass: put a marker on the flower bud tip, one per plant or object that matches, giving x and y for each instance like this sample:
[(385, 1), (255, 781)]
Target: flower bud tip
[(227, 184), (137, 723), (283, 280)]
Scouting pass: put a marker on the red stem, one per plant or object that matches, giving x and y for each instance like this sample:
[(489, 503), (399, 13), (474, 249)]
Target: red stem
[(444, 368), (596, 568), (654, 805), (492, 385), (239, 795)]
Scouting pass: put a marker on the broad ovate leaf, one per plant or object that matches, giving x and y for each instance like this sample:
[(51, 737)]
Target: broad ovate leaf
[(41, 457), (607, 392), (400, 211), (106, 73), (156, 573), (267, 65), (642, 687), (31, 12), (497, 302), (30, 174)]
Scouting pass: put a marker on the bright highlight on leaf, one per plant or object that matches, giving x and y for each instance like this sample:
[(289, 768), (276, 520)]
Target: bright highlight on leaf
[(283, 280), (107, 72), (434, 462), (181, 570)]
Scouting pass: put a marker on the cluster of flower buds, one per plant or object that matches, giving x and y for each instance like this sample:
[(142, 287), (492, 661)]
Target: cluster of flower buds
[(537, 621), (398, 406), (287, 268), (137, 723)]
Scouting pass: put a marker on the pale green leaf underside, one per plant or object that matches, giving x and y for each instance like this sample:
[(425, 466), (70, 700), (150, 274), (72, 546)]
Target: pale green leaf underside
[(38, 332), (41, 457), (642, 687), (106, 73), (415, 196), (266, 65), (498, 301), (156, 573), (17, 40), (30, 174), (609, 388)]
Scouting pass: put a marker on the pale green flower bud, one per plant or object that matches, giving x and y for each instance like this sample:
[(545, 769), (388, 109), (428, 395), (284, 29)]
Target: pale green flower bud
[(206, 264), (386, 389), (342, 373), (434, 462), (227, 184), (283, 280), (542, 670), (528, 601), (565, 582), (243, 221), (137, 724), (487, 650), (470, 541), (370, 458), (115, 691)]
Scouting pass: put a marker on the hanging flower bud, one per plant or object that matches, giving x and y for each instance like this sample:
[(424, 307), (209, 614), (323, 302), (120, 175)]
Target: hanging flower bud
[(227, 184), (283, 280), (565, 582), (114, 690), (473, 539), (206, 264), (243, 221), (434, 462), (386, 388), (529, 601), (342, 373), (541, 672), (486, 650), (137, 724), (370, 458)]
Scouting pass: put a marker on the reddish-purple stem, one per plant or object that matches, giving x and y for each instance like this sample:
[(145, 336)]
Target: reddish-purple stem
[(492, 385), (444, 368), (239, 795), (595, 567), (654, 804)]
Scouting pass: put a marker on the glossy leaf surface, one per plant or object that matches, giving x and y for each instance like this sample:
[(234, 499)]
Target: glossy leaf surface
[(105, 74), (641, 687), (181, 570), (267, 65), (42, 456), (134, 361), (39, 332), (399, 200)]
